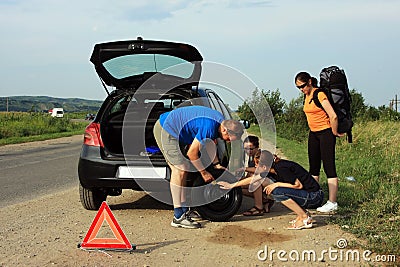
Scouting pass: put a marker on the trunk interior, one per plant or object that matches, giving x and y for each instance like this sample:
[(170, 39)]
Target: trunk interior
[(127, 122), (131, 137)]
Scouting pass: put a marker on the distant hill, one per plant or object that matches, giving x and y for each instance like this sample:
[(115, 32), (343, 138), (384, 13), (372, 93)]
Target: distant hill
[(44, 103)]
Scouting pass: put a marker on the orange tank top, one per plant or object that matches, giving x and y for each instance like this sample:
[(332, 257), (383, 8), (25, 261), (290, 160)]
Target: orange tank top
[(317, 118)]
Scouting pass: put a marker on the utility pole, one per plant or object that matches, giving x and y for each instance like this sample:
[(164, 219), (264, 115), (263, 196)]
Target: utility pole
[(7, 104), (393, 103)]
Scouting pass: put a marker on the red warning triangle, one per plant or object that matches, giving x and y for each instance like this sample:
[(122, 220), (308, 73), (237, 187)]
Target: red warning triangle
[(119, 242)]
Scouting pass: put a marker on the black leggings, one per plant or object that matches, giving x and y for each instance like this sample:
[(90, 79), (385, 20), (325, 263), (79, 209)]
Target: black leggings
[(321, 146)]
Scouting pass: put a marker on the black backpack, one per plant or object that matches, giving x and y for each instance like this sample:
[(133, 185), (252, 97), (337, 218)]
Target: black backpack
[(333, 82)]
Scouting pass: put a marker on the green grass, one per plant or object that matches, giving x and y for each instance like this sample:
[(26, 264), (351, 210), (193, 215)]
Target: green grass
[(374, 199), (370, 206), (19, 127), (25, 139)]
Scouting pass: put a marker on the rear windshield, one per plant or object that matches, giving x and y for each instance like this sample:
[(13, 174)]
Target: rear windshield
[(131, 65)]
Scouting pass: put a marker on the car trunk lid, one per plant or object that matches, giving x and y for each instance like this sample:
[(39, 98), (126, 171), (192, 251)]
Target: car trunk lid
[(126, 65)]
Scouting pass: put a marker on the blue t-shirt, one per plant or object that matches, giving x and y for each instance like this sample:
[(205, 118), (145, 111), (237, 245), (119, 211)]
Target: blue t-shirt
[(188, 123)]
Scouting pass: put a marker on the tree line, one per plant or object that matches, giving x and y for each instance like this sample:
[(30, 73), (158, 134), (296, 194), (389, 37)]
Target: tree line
[(264, 107)]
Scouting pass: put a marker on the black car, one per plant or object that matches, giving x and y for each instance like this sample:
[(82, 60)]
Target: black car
[(119, 149)]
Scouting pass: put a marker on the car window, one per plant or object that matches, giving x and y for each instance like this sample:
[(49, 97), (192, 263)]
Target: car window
[(217, 104), (122, 104), (214, 102), (130, 65), (225, 110)]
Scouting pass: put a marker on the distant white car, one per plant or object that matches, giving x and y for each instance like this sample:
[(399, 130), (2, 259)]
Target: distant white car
[(57, 112)]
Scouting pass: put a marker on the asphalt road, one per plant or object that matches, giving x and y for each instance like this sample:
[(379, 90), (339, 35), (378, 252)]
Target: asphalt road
[(28, 171)]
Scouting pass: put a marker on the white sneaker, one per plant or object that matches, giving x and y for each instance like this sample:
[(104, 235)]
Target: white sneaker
[(328, 207)]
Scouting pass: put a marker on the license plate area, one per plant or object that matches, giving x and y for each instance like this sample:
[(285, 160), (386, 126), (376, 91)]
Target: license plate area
[(141, 172)]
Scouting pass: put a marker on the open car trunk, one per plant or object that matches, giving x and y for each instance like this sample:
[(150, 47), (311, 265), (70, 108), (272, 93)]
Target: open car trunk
[(127, 127), (137, 137)]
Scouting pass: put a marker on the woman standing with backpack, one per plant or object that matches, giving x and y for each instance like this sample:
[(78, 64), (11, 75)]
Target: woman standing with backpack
[(323, 124)]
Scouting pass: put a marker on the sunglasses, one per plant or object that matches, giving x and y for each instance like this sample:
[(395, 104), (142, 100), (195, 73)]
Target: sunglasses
[(249, 148), (301, 86)]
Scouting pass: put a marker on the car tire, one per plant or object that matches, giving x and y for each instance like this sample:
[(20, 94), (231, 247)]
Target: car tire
[(91, 199), (224, 207)]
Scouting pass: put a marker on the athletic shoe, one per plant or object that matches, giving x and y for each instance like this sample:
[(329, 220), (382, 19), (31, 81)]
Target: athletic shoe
[(328, 207), (194, 215), (185, 222)]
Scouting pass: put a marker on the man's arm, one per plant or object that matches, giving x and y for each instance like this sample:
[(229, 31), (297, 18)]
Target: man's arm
[(193, 154)]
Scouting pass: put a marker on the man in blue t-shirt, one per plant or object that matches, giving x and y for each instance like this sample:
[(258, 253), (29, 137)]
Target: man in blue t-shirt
[(195, 127)]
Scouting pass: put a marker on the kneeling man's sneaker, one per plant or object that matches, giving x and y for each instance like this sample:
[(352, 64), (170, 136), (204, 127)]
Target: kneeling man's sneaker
[(185, 222), (328, 207)]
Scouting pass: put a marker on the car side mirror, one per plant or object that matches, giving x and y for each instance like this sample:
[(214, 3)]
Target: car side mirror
[(246, 124)]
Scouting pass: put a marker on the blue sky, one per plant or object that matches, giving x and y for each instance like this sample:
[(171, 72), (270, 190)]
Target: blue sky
[(45, 45)]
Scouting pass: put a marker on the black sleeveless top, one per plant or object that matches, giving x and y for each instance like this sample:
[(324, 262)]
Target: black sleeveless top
[(288, 171)]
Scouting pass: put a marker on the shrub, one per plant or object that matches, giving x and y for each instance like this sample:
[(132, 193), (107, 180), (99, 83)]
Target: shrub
[(24, 124)]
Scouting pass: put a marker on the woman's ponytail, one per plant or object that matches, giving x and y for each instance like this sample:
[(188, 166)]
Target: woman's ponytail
[(314, 82)]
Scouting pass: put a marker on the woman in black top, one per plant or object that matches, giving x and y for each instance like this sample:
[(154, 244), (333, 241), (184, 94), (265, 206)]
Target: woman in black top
[(294, 187)]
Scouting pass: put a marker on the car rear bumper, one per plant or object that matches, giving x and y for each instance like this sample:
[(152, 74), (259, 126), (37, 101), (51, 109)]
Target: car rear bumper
[(96, 172)]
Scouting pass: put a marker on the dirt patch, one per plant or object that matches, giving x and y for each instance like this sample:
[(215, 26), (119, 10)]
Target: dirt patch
[(245, 237)]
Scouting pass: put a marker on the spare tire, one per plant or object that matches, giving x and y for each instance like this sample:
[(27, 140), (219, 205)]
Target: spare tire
[(227, 205)]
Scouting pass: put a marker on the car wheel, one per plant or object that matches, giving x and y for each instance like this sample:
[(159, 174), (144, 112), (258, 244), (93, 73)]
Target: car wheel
[(224, 207), (91, 199)]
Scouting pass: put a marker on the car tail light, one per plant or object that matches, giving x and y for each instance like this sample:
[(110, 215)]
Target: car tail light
[(92, 135)]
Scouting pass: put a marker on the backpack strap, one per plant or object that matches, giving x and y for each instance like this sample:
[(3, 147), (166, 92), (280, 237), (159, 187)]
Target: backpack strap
[(315, 98)]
